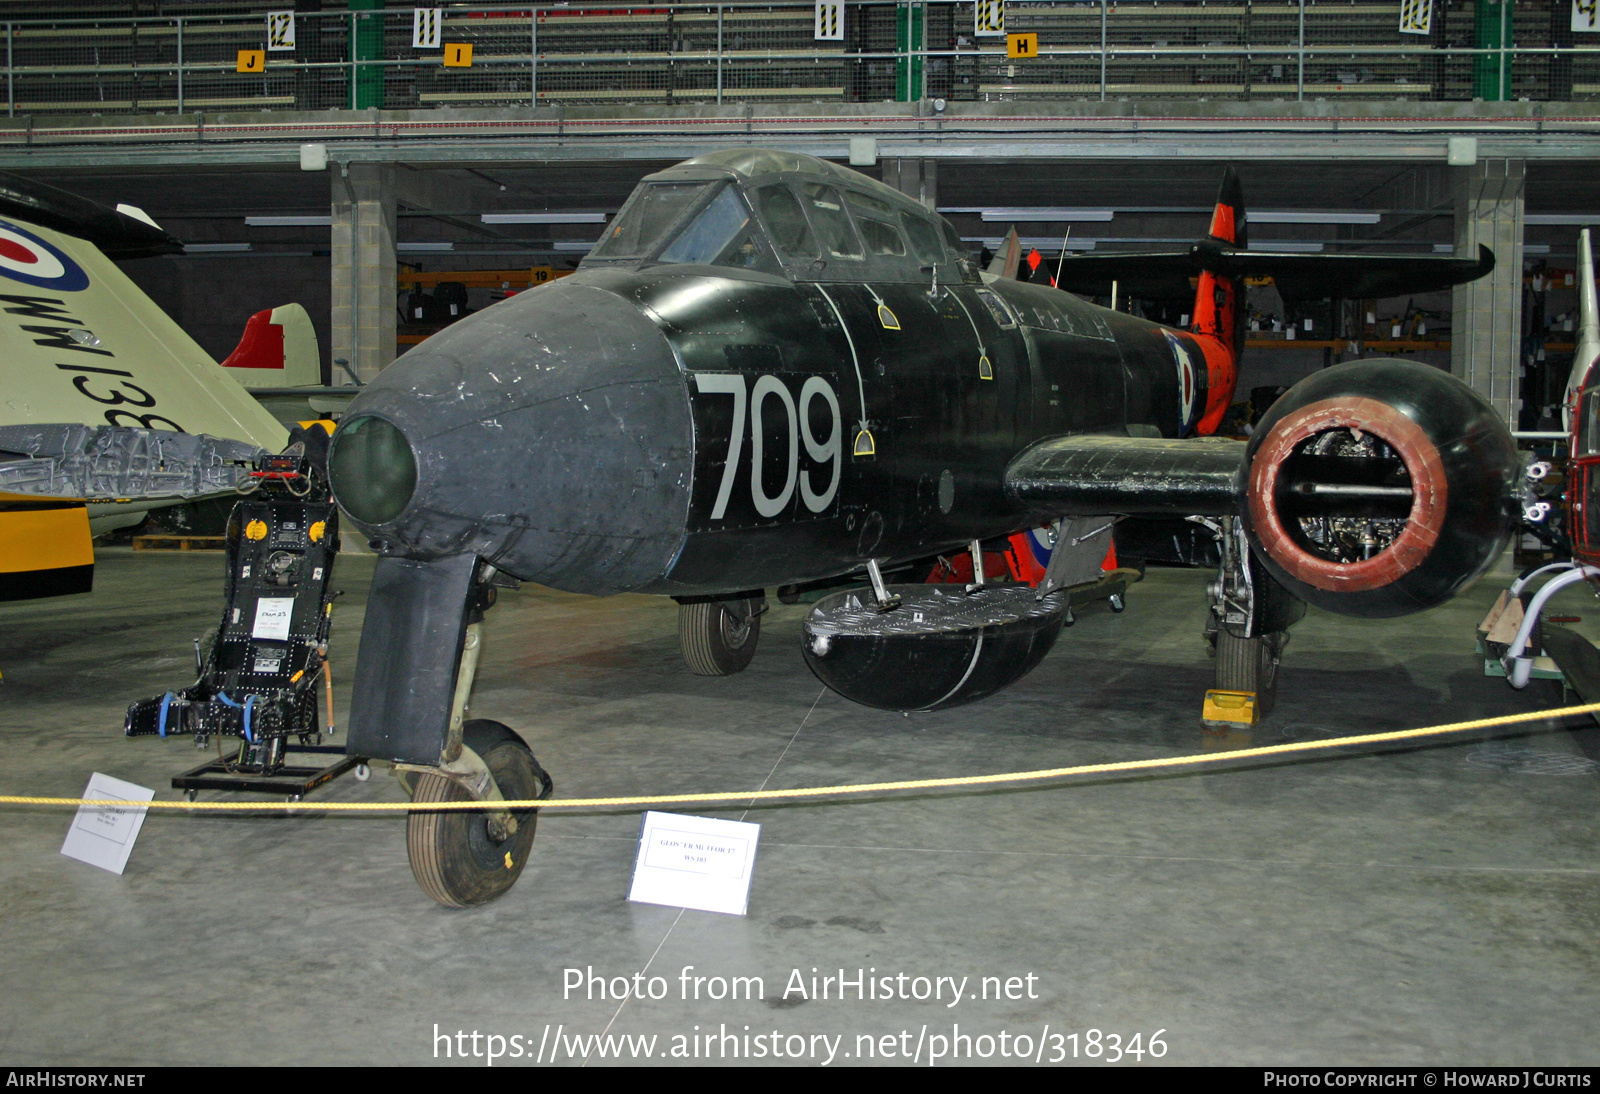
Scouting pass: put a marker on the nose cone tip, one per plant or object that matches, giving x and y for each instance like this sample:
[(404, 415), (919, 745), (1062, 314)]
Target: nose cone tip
[(549, 434)]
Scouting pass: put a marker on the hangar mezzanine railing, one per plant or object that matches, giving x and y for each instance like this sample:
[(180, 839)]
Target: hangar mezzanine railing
[(677, 53)]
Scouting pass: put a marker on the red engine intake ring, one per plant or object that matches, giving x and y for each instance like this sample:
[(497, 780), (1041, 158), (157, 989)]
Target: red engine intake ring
[(1428, 494)]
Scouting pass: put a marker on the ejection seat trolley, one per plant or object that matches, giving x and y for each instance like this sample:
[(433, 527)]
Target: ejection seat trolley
[(264, 676)]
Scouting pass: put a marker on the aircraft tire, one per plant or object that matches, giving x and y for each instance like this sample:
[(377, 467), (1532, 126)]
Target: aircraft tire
[(453, 856), (1248, 664), (714, 641)]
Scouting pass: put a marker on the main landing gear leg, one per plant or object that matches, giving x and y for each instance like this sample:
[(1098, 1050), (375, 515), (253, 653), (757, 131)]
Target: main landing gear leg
[(1250, 664), (1249, 626), (420, 645)]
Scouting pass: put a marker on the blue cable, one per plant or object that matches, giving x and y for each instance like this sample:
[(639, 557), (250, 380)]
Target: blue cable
[(161, 719), (248, 703)]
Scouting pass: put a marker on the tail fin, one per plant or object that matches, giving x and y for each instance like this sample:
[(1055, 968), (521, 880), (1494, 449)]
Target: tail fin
[(1009, 258), (1219, 306), (278, 349), (1588, 349), (1228, 218)]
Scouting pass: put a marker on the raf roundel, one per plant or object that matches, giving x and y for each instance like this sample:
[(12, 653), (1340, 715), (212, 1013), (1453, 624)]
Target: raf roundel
[(26, 258)]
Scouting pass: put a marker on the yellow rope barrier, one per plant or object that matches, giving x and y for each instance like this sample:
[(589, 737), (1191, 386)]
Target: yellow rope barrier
[(828, 791)]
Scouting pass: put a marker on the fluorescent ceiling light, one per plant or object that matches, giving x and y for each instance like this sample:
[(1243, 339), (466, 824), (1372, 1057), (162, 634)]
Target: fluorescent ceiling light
[(1284, 245), (215, 248), (414, 248), (1161, 209), (289, 222), (1282, 217), (580, 245), (1527, 248), (1561, 218), (544, 218), (1027, 243), (1035, 215)]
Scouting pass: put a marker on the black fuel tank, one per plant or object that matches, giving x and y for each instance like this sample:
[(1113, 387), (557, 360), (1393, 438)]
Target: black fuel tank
[(942, 647)]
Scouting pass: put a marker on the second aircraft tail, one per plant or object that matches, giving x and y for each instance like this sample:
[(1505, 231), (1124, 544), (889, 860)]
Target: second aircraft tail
[(1219, 306)]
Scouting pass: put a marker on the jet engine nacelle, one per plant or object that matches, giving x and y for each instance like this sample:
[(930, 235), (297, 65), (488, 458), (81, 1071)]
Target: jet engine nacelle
[(1379, 488)]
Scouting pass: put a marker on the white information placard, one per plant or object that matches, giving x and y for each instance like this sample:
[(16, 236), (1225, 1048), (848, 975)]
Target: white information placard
[(695, 862), (1416, 16), (988, 17), (272, 618), (280, 30), (829, 21), (426, 27), (103, 835)]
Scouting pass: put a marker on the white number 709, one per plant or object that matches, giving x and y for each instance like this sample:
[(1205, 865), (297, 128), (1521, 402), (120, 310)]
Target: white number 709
[(799, 419)]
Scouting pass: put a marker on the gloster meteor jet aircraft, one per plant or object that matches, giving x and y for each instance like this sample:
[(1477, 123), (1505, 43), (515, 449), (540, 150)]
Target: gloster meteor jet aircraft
[(775, 371)]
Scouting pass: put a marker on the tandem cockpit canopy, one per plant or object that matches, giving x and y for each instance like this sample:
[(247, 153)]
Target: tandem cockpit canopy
[(783, 214)]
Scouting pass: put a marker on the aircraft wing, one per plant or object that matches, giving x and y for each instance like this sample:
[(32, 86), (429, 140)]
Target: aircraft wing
[(123, 232), (1298, 276), (1088, 475), (106, 462), (79, 342), (48, 472)]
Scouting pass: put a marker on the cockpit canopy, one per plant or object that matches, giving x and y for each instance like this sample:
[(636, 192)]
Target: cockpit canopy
[(780, 213)]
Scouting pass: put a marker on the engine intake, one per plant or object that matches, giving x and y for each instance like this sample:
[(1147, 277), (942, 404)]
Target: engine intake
[(1379, 488)]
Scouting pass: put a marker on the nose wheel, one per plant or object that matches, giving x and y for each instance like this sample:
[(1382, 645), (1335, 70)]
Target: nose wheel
[(464, 858)]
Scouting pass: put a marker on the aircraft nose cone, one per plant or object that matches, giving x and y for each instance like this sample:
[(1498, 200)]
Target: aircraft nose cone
[(549, 434)]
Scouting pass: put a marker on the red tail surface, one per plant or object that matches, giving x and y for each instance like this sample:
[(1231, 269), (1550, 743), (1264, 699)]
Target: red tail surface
[(1219, 309)]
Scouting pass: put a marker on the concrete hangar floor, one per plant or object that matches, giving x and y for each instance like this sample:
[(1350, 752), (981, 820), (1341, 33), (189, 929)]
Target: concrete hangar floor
[(1428, 904)]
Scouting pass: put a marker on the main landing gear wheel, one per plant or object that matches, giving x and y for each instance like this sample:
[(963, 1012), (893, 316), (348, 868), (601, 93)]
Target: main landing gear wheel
[(455, 856), (718, 637), (1249, 664)]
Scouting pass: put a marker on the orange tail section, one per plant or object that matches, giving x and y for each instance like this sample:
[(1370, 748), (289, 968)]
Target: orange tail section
[(1219, 308)]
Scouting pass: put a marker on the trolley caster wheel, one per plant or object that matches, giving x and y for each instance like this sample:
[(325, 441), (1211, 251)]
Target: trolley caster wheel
[(1117, 603), (362, 773), (294, 797), (717, 641), (455, 856), (192, 795)]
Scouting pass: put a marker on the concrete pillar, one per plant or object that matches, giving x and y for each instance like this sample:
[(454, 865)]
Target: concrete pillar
[(364, 268), (915, 178), (1486, 315)]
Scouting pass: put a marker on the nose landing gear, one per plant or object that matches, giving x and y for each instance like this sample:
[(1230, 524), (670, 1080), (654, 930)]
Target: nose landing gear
[(408, 706), (465, 858)]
